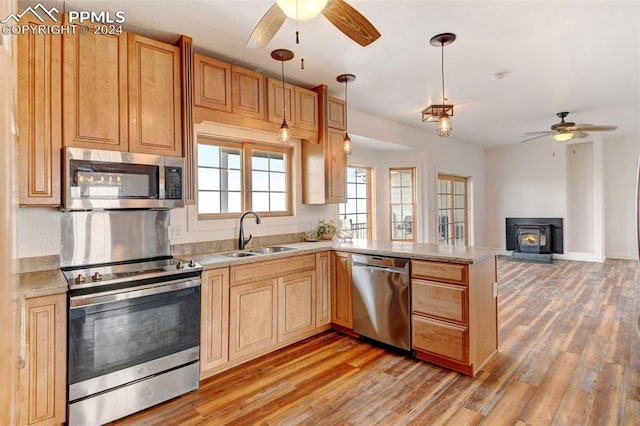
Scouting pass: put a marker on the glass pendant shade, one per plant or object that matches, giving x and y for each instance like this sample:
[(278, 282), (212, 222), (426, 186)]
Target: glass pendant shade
[(563, 136), (284, 134), (347, 146), (444, 125), (301, 10)]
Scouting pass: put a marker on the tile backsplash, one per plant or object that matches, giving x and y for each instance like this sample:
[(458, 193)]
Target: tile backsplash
[(205, 247)]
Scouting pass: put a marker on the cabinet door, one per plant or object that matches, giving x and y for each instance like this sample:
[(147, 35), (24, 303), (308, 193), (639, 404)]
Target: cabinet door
[(212, 83), (336, 168), (39, 118), (306, 111), (43, 379), (296, 306), (275, 106), (154, 97), (95, 91), (323, 289), (336, 114), (214, 328), (341, 302), (253, 319), (247, 92)]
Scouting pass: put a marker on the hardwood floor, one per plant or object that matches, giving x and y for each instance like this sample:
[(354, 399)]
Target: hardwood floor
[(569, 354)]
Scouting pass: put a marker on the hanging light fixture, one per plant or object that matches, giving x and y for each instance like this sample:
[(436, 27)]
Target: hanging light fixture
[(284, 134), (441, 111), (563, 136), (302, 10), (347, 146)]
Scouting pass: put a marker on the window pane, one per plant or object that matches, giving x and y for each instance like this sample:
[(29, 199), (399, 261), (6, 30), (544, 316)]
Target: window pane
[(361, 205), (259, 161), (208, 179), (260, 181), (351, 190), (231, 158), (276, 163), (260, 201), (278, 182), (208, 155), (234, 180), (396, 195), (407, 195), (235, 202), (208, 202), (278, 201)]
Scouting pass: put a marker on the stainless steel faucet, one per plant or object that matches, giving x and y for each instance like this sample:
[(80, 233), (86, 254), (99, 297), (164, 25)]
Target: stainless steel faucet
[(241, 241)]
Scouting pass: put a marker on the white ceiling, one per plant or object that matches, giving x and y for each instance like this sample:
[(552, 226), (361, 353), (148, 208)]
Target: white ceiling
[(577, 56)]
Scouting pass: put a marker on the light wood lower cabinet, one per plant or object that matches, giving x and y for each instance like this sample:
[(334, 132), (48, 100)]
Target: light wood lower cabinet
[(341, 301), (43, 378), (214, 318), (253, 322), (454, 315), (296, 306), (323, 289)]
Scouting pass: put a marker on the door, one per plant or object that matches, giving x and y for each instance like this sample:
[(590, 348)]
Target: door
[(95, 91), (253, 321), (154, 97), (296, 306)]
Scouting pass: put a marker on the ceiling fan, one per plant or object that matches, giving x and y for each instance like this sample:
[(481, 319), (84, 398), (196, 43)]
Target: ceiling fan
[(565, 131), (338, 12)]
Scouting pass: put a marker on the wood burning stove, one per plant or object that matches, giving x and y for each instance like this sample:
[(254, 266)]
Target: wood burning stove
[(533, 238)]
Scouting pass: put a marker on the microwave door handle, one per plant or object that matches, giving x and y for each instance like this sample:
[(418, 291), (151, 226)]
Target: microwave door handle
[(77, 302)]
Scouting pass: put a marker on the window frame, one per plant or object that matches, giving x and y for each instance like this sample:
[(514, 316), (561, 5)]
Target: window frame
[(414, 230), (452, 178), (246, 149), (369, 183)]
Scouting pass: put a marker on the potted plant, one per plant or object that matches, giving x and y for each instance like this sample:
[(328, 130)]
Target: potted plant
[(327, 229)]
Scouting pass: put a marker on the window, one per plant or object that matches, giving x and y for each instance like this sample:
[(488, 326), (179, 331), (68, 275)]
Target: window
[(403, 205), (234, 177), (356, 212), (452, 210)]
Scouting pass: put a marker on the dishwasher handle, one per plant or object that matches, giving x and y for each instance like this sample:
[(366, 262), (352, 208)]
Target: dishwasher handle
[(389, 269)]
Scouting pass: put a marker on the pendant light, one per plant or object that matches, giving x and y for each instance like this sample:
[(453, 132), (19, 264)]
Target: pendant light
[(444, 121), (284, 134), (347, 146)]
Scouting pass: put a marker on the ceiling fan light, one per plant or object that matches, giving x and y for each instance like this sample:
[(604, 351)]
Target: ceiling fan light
[(563, 136), (284, 134), (347, 146), (301, 10), (444, 125)]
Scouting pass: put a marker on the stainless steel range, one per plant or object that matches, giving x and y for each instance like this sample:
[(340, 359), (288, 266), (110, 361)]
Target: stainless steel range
[(134, 314)]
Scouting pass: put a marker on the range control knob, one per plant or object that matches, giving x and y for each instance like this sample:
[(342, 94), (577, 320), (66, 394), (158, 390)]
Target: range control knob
[(80, 279), (97, 276), (179, 265), (192, 263)]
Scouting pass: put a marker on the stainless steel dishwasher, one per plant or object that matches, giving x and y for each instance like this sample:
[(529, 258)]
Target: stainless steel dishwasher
[(381, 303)]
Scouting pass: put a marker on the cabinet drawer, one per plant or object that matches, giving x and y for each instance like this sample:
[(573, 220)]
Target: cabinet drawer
[(447, 272), (272, 268), (440, 338), (446, 301)]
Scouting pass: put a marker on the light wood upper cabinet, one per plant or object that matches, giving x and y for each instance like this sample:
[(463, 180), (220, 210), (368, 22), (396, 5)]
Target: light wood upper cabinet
[(275, 108), (212, 83), (39, 117), (341, 300), (43, 378), (306, 109), (336, 113), (214, 318), (154, 97), (336, 167), (247, 92), (253, 321), (323, 289), (95, 91)]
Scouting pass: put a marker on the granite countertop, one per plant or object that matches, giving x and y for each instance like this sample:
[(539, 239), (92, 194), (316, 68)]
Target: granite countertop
[(44, 283)]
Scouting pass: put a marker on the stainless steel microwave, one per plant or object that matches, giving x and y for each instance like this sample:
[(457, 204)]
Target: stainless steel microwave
[(99, 179)]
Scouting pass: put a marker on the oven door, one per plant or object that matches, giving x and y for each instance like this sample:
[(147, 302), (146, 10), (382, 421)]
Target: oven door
[(117, 338)]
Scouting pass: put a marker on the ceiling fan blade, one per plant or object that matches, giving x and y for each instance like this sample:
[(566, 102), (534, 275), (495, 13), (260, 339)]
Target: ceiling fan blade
[(350, 22), (579, 134), (590, 128), (536, 137), (542, 132), (267, 27)]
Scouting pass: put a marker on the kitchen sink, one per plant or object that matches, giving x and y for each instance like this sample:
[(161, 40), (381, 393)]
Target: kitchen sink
[(267, 250), (240, 254)]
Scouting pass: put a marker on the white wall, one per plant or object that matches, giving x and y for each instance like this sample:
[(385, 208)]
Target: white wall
[(620, 162)]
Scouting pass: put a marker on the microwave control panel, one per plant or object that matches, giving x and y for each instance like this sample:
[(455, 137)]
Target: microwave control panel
[(173, 183)]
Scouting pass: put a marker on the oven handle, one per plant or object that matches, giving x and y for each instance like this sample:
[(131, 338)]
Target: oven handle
[(110, 297)]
